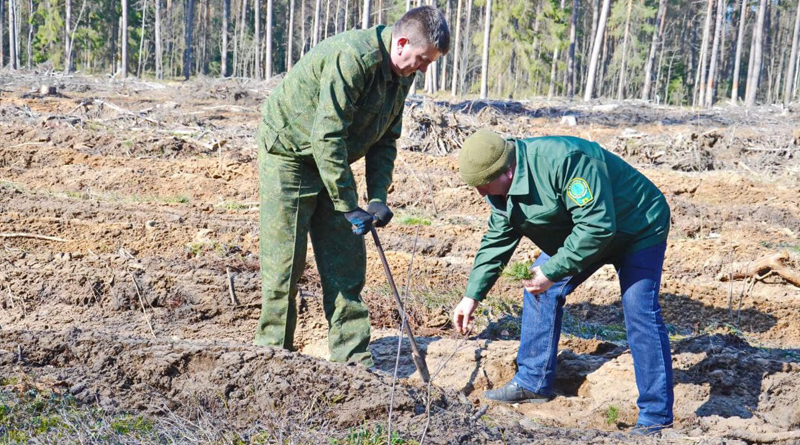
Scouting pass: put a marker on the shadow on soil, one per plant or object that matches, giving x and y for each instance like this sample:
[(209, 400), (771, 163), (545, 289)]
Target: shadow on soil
[(734, 370)]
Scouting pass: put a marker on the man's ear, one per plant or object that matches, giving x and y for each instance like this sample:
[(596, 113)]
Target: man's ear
[(401, 44)]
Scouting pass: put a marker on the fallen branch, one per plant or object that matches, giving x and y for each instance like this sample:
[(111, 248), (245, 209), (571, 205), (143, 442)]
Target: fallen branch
[(762, 267), (141, 303), (230, 286), (750, 436), (11, 299), (32, 235), (121, 110)]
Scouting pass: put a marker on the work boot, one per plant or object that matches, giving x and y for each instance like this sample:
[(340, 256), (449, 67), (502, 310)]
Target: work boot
[(511, 392), (646, 430)]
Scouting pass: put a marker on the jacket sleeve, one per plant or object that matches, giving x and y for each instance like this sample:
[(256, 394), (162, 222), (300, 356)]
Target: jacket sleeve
[(379, 161), (341, 84), (497, 246), (586, 190)]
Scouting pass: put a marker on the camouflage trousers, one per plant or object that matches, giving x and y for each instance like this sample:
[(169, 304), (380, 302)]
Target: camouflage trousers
[(294, 204)]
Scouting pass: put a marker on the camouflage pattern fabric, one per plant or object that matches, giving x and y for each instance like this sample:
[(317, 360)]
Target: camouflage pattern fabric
[(294, 204), (340, 103)]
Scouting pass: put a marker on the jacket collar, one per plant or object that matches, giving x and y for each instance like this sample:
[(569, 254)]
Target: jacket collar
[(520, 184)]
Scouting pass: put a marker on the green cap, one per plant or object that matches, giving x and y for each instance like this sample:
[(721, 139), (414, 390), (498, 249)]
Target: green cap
[(484, 157)]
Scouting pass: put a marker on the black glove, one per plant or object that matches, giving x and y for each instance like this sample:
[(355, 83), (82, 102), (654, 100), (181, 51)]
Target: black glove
[(361, 221), (382, 213)]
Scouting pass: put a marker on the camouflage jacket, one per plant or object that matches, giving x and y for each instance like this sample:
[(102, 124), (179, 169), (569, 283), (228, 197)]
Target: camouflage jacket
[(339, 103)]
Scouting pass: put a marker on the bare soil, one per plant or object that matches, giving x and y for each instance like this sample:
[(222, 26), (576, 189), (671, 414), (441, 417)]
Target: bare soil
[(151, 191)]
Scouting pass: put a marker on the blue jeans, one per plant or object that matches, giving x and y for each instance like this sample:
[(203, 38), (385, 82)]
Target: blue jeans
[(640, 279)]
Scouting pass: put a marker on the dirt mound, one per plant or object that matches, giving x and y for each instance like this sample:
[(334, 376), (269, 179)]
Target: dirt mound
[(243, 384)]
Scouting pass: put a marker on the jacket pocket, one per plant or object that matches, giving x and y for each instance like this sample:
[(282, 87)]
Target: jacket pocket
[(266, 138)]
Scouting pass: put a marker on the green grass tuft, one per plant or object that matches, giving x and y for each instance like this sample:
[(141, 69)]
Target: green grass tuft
[(518, 271), (375, 436), (612, 414), (412, 220)]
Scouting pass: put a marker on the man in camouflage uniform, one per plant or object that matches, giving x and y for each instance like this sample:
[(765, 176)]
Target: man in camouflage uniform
[(342, 102)]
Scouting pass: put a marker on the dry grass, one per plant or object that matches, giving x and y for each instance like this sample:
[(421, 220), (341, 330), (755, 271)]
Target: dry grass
[(38, 417)]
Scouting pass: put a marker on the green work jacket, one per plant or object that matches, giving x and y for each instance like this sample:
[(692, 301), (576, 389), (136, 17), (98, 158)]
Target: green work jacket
[(577, 202), (340, 103)]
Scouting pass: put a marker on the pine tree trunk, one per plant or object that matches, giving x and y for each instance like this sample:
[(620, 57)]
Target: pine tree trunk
[(457, 53), (206, 32), (157, 31), (13, 57), (603, 66), (654, 43), (2, 33), (658, 75), (790, 73), (768, 54), (226, 14), (431, 75), (124, 39), (598, 40), (724, 62), (621, 85), (197, 51), (303, 27), (553, 66), (270, 36), (30, 35), (187, 51), (585, 53), (796, 78), (712, 69), (669, 79), (738, 58), (754, 75), (570, 81), (485, 60), (257, 37), (290, 38), (112, 52), (700, 76), (141, 38), (241, 50), (443, 74), (336, 29), (326, 23), (315, 35), (465, 50), (365, 15), (596, 7), (67, 20), (170, 41)]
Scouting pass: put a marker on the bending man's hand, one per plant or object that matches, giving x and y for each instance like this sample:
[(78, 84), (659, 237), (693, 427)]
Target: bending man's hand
[(538, 283), (381, 212), (462, 315)]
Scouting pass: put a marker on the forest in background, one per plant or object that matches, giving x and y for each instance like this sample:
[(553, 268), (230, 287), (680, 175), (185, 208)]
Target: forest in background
[(679, 52)]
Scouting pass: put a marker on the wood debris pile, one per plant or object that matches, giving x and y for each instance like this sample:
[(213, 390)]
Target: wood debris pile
[(434, 129)]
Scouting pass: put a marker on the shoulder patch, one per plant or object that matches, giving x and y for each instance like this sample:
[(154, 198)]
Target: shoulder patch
[(578, 190)]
